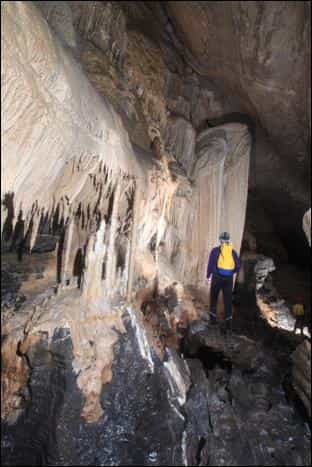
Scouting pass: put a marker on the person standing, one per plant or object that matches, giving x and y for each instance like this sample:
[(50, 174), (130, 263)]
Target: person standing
[(298, 311), (222, 265)]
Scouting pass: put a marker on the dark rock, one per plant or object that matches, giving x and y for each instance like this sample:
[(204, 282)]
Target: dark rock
[(142, 422), (45, 243), (301, 373)]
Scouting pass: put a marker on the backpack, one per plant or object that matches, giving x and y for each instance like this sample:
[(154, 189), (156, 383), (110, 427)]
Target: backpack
[(298, 309), (226, 263)]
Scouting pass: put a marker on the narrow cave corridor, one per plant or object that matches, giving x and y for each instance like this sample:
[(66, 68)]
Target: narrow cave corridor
[(154, 153)]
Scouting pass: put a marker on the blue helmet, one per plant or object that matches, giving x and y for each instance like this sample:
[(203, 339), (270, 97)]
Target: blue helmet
[(224, 237)]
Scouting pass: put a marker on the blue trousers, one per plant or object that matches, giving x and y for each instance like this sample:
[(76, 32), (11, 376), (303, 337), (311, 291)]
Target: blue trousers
[(224, 283)]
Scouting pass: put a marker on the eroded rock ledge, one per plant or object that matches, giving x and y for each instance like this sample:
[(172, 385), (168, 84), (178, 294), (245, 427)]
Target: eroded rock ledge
[(203, 409)]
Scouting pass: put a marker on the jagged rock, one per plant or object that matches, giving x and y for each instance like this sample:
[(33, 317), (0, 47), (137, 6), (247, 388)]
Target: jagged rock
[(301, 373), (306, 222), (273, 308), (137, 427), (244, 415), (243, 407), (262, 269), (177, 415), (243, 352)]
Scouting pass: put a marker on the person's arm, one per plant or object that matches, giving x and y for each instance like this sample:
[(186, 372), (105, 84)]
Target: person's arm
[(237, 261), (209, 267), (211, 263)]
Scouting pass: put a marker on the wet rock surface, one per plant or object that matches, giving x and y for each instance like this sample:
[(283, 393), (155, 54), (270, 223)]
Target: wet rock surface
[(301, 373), (142, 422), (221, 403), (250, 419)]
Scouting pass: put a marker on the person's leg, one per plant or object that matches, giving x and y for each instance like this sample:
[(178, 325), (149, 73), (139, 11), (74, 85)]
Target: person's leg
[(301, 324), (214, 292), (227, 287)]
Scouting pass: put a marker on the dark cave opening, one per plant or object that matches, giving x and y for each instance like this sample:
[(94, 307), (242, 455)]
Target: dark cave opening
[(209, 357), (234, 117)]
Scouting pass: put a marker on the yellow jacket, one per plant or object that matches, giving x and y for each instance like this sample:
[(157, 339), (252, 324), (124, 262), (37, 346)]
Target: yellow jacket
[(298, 309)]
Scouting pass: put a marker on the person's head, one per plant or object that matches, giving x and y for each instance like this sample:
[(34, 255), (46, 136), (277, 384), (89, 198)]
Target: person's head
[(298, 299), (224, 237)]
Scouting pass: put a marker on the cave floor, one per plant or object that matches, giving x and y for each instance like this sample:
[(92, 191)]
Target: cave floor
[(246, 384)]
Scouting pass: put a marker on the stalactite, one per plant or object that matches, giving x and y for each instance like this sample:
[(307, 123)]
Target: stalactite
[(34, 231), (69, 132), (4, 213), (95, 253), (67, 251), (133, 240), (110, 272), (125, 275)]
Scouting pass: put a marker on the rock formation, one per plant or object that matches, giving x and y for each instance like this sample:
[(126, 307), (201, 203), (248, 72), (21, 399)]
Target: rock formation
[(306, 223), (301, 358), (301, 373)]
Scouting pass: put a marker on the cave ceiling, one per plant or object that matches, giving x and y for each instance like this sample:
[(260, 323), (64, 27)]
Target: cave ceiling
[(260, 53)]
